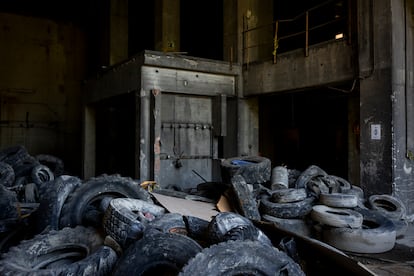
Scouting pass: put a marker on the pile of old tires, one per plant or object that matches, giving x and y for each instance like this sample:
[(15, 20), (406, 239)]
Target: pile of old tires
[(315, 204), (110, 225)]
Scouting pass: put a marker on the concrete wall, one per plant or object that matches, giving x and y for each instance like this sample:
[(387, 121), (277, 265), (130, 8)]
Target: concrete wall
[(327, 63), (41, 70), (402, 100)]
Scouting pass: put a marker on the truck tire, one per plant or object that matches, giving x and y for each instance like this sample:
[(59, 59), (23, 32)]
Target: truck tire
[(157, 254), (70, 251), (241, 258), (87, 198), (125, 219), (51, 200)]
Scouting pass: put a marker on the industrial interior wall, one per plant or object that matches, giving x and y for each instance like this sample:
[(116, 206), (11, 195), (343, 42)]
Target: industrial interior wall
[(403, 102), (41, 71)]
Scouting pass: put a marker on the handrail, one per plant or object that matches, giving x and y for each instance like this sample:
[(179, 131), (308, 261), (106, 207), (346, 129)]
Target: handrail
[(279, 25)]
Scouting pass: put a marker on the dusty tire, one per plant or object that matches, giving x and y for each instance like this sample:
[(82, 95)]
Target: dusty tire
[(70, 251), (377, 235), (298, 226), (308, 174), (51, 200), (87, 198), (31, 193), (241, 258), (7, 175), (169, 223), (338, 200), (125, 219), (245, 200), (41, 174), (254, 169), (388, 205), (343, 184), (197, 228), (289, 210), (157, 254), (288, 195), (14, 155), (227, 226), (336, 217), (55, 164), (8, 203), (25, 167)]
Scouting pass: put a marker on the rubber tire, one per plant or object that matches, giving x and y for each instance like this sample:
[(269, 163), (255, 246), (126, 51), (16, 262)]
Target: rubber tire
[(336, 217), (44, 254), (241, 258), (311, 172), (365, 239), (338, 200), (7, 175), (121, 221), (343, 184), (290, 210), (31, 193), (55, 164), (288, 195), (42, 174), (156, 254), (8, 203), (169, 223), (388, 205), (227, 226), (14, 155), (51, 199), (245, 201), (90, 194), (197, 228), (257, 172), (25, 167), (298, 226)]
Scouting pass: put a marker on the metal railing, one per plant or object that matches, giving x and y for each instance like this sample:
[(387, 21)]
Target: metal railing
[(326, 21)]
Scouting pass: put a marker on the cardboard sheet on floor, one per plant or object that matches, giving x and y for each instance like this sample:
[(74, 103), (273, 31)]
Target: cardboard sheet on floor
[(186, 207)]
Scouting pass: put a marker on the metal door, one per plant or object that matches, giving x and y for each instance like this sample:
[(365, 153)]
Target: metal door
[(187, 143)]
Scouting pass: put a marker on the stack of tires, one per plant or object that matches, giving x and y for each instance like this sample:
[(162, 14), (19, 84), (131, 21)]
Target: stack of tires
[(348, 222)]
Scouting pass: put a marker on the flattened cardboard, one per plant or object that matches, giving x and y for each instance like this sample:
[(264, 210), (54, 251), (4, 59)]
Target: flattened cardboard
[(186, 207)]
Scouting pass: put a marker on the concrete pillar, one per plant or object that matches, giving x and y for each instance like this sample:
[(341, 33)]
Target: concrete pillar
[(167, 25), (257, 29), (248, 126), (386, 98), (375, 96), (402, 99), (118, 31)]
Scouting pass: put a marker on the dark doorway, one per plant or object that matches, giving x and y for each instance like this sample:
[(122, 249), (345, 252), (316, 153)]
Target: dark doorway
[(115, 135), (306, 128)]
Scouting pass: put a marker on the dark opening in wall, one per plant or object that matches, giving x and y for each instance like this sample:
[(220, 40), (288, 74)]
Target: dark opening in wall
[(115, 135), (305, 128), (201, 28)]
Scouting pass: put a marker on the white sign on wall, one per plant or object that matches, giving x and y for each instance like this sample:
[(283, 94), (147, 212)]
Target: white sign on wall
[(375, 132)]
